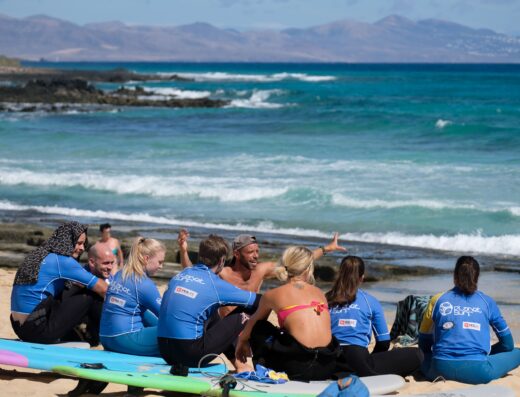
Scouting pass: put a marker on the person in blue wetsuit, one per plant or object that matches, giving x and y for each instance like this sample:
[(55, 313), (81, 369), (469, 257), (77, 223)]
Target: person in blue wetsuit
[(455, 332), (40, 312), (190, 328), (129, 316), (356, 315)]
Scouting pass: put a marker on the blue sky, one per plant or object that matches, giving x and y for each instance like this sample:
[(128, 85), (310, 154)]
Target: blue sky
[(499, 15)]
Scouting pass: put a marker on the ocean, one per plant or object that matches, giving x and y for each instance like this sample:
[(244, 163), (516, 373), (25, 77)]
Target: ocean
[(419, 157)]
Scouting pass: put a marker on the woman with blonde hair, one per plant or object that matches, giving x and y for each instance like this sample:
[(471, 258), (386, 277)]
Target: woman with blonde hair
[(131, 308), (303, 346)]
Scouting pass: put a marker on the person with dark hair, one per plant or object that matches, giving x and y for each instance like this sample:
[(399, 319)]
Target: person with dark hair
[(39, 311), (355, 316), (455, 332), (189, 328), (303, 345), (106, 237), (244, 270)]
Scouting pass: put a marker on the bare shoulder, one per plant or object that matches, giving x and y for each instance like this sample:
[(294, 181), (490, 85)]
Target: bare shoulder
[(225, 273)]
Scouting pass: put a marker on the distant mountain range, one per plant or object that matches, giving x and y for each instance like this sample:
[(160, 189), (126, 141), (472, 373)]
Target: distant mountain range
[(392, 39)]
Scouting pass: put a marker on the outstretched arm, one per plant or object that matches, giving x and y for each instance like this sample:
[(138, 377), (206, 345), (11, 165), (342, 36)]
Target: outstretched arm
[(182, 239), (330, 247)]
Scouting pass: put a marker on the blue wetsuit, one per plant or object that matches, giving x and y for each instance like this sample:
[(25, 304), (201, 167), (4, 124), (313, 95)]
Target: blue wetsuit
[(125, 327), (455, 338), (353, 325), (52, 314), (54, 271), (189, 326)]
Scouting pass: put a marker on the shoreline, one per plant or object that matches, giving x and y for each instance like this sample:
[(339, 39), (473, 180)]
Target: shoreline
[(388, 279)]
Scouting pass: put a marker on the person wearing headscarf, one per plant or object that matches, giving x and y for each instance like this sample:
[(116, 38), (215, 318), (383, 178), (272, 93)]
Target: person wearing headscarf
[(39, 311)]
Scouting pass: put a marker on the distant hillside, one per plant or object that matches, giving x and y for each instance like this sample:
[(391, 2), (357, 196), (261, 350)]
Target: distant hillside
[(9, 62), (392, 39)]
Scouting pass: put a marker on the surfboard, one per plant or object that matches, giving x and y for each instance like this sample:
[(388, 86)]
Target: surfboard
[(122, 368), (209, 386), (472, 391), (45, 357)]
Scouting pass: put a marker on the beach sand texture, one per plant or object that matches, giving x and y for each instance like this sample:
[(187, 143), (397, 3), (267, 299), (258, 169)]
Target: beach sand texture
[(27, 382)]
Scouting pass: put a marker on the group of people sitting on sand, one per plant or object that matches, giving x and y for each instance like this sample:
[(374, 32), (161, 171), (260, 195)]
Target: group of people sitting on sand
[(213, 306)]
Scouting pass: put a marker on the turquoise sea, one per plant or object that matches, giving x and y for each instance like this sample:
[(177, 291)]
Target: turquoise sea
[(413, 156)]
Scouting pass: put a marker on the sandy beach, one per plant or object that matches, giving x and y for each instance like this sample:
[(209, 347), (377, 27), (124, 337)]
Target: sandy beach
[(27, 382)]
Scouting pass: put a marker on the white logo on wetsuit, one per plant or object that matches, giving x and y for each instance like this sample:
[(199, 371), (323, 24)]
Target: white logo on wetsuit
[(118, 288), (448, 325), (445, 308), (347, 322), (189, 279), (117, 301), (473, 326), (186, 292), (463, 310), (345, 309)]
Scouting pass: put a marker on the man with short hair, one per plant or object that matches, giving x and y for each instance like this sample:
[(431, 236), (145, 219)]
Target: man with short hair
[(102, 261), (245, 271), (189, 328), (106, 237)]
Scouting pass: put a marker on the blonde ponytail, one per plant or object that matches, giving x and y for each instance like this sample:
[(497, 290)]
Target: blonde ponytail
[(136, 263), (295, 262)]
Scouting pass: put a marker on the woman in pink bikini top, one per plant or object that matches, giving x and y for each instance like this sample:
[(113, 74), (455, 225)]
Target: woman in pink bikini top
[(303, 314)]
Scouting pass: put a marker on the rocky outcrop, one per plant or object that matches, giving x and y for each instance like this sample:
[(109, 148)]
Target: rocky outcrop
[(79, 91)]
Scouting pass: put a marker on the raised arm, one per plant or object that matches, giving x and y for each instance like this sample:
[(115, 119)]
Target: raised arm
[(182, 239), (330, 247)]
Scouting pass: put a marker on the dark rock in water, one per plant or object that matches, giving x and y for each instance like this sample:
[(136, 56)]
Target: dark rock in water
[(78, 91), (507, 269)]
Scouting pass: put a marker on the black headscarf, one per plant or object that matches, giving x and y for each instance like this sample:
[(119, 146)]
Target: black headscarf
[(62, 242)]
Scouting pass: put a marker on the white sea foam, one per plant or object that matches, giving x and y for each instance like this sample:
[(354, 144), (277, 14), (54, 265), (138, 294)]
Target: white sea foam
[(163, 93), (477, 243), (257, 100), (222, 189), (470, 243), (177, 93), (341, 200), (440, 124), (260, 78), (265, 227)]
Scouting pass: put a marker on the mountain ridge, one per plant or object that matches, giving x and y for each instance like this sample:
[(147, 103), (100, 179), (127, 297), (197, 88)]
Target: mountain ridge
[(391, 39)]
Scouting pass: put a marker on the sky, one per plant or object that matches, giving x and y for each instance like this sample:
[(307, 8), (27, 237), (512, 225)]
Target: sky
[(499, 15)]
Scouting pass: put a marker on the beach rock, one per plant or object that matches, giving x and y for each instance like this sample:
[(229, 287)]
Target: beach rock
[(78, 91)]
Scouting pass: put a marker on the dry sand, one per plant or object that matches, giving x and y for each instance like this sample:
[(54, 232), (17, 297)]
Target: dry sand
[(26, 382)]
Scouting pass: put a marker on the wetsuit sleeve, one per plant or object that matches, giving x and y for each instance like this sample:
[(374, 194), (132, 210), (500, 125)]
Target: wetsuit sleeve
[(427, 325), (379, 326), (228, 294), (149, 296), (381, 346), (70, 269), (496, 320)]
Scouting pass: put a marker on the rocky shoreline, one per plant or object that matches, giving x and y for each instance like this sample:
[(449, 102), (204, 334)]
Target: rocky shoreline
[(29, 90), (16, 240)]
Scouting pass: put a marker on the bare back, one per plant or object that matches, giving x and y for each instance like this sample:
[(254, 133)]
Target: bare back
[(309, 326)]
